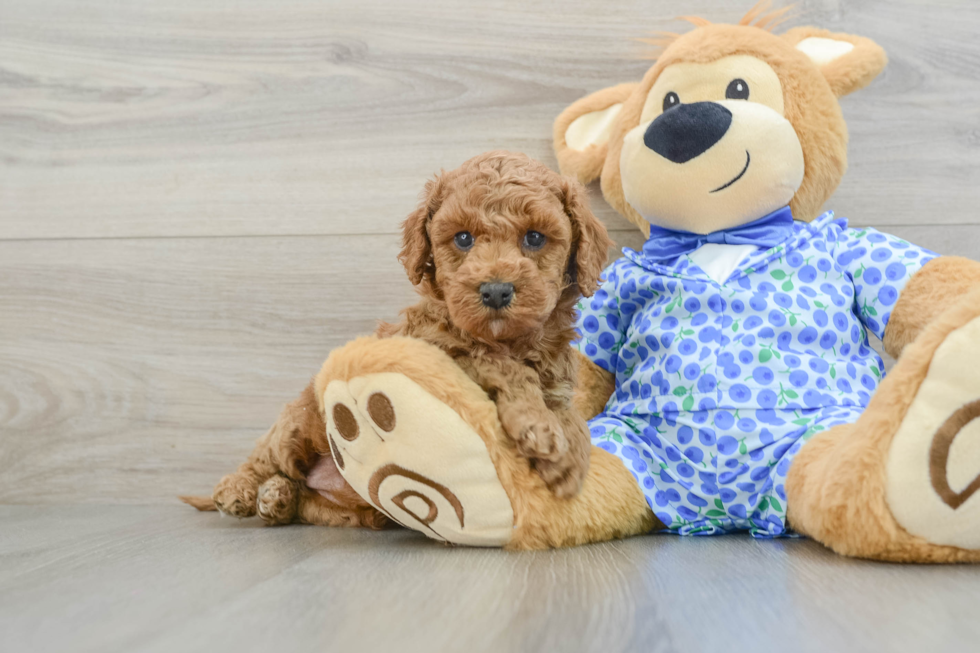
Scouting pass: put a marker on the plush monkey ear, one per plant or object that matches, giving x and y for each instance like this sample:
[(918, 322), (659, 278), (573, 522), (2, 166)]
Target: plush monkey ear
[(581, 131), (416, 253), (590, 243), (848, 62)]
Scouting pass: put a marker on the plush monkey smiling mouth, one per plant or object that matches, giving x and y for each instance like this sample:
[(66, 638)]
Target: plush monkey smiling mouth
[(704, 128), (748, 159)]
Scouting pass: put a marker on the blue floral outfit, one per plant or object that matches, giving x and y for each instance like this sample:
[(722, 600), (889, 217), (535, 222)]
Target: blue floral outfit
[(718, 385)]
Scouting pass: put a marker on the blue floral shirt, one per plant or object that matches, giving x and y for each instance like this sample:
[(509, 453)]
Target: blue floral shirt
[(719, 384)]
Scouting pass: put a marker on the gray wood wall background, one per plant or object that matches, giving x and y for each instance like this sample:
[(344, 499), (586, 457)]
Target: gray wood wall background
[(199, 199)]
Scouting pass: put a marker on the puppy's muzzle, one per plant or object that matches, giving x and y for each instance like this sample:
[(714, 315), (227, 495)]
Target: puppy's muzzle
[(688, 130), (496, 294)]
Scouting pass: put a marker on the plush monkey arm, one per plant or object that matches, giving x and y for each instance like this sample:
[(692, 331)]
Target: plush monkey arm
[(928, 293), (594, 387)]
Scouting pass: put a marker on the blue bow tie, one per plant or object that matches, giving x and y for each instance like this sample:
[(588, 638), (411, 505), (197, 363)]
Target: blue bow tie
[(768, 231)]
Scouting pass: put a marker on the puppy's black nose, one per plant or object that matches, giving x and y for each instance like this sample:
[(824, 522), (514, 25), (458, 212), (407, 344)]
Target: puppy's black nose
[(496, 294), (688, 130)]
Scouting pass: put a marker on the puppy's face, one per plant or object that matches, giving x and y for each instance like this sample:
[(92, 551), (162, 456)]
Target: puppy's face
[(501, 266), (503, 241)]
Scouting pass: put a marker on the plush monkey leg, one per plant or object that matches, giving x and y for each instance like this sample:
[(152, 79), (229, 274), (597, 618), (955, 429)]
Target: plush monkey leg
[(902, 483), (420, 441)]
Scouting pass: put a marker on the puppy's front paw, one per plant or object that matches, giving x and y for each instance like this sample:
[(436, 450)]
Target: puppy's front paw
[(277, 500), (559, 449), (235, 495), (565, 476), (538, 434)]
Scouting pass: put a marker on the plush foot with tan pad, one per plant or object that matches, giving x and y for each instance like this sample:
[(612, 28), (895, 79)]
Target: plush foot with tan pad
[(421, 442), (414, 458), (903, 483)]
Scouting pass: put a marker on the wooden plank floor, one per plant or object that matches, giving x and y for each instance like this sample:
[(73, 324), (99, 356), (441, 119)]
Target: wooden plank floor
[(199, 199), (128, 578)]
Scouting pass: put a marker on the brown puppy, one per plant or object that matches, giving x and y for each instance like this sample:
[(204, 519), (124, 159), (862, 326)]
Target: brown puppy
[(500, 250)]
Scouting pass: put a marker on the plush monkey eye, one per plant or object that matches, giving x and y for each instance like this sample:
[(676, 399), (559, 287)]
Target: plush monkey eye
[(737, 89), (671, 100), (534, 240), (463, 240)]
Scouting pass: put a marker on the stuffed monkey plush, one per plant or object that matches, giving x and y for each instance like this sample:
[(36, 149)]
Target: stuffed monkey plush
[(745, 393)]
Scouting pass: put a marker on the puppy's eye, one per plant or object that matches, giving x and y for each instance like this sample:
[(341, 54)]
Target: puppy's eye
[(534, 240), (737, 89), (463, 240), (671, 100)]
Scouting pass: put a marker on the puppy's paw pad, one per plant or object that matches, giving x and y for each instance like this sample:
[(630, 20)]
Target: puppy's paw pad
[(235, 495), (539, 437), (277, 500)]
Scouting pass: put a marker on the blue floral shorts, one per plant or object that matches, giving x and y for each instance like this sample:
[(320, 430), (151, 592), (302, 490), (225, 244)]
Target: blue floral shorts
[(710, 472)]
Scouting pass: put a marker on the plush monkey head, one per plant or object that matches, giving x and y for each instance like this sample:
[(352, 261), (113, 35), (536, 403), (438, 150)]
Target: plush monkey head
[(729, 124)]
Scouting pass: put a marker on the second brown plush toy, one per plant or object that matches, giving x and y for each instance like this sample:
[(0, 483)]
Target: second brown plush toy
[(744, 392)]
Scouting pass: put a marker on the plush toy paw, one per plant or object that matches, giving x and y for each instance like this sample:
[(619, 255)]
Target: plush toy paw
[(235, 495), (933, 468), (277, 500), (415, 459)]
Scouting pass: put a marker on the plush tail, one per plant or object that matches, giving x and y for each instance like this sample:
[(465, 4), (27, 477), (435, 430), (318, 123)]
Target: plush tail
[(204, 504)]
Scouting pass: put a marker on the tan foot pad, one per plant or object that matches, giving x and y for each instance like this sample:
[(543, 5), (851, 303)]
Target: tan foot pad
[(933, 487), (415, 459)]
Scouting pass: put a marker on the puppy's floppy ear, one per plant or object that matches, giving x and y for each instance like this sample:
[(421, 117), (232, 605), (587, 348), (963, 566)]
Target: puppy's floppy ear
[(416, 253), (848, 62), (590, 243), (581, 132)]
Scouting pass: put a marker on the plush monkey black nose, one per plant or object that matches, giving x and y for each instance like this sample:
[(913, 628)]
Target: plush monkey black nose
[(688, 130), (496, 294)]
